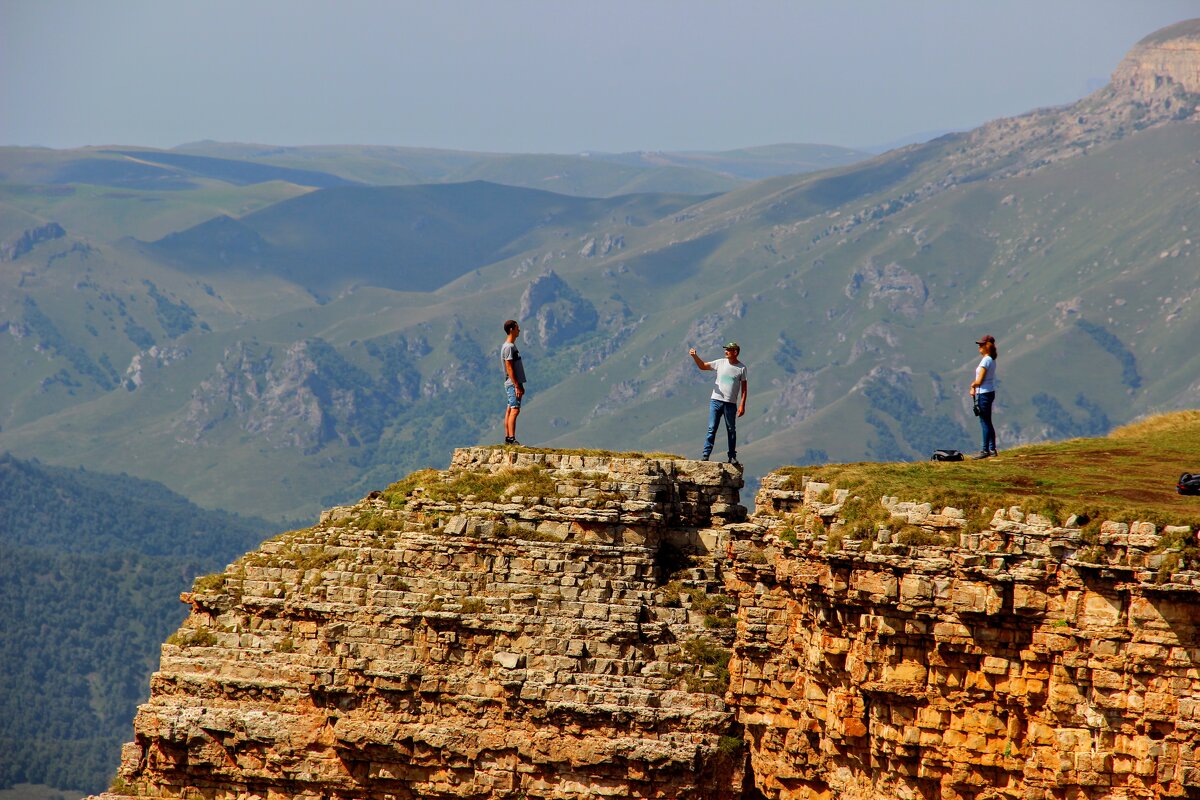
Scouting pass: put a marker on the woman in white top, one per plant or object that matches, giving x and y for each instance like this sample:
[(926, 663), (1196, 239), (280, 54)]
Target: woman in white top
[(983, 389)]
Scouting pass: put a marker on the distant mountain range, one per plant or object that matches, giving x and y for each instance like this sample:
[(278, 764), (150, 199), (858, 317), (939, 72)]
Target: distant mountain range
[(193, 166), (272, 330)]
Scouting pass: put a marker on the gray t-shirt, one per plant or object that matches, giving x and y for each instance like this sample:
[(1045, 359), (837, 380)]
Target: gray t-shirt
[(509, 352), (729, 380)]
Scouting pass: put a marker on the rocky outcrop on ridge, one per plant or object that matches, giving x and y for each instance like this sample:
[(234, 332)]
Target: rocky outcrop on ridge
[(1163, 69), (1157, 82), (556, 312), (30, 238), (532, 625)]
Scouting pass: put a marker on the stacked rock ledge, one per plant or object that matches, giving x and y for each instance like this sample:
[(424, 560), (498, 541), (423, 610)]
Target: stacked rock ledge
[(540, 624), (524, 624), (1017, 658)]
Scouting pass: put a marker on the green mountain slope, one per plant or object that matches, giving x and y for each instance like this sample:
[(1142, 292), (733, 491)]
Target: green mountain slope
[(414, 238), (749, 163), (278, 360), (91, 567)]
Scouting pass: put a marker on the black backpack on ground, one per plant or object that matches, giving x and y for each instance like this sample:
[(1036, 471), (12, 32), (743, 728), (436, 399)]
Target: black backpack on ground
[(947, 455), (1189, 483)]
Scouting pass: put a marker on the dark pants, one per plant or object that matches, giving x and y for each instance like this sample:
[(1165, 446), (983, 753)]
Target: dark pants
[(984, 401), (716, 410)]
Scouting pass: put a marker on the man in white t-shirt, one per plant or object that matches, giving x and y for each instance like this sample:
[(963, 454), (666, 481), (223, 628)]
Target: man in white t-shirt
[(728, 397)]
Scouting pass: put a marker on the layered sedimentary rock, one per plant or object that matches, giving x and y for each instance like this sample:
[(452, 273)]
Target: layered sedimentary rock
[(523, 625), (937, 657), (1163, 66), (549, 625)]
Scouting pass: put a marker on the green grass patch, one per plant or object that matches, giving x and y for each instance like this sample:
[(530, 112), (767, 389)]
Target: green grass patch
[(919, 537), (209, 583), (1125, 476), (711, 665), (483, 486), (194, 637), (834, 542), (714, 607), (373, 521), (587, 452)]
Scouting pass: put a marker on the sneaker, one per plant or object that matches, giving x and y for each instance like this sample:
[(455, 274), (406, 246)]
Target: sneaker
[(994, 454), (733, 462), (704, 457), (511, 440), (982, 454)]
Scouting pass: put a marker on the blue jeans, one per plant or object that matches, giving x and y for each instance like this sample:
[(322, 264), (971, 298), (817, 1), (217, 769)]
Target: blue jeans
[(717, 409), (984, 401)]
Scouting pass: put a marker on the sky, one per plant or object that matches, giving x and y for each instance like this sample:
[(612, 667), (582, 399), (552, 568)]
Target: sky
[(535, 76)]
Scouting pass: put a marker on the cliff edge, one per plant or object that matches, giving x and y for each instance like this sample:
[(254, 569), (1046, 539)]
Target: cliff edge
[(1024, 658), (524, 624), (544, 624)]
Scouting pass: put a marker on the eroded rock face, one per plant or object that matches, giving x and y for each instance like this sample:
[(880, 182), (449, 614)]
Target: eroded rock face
[(557, 312), (524, 625), (29, 239), (1026, 660), (1164, 66), (550, 625)]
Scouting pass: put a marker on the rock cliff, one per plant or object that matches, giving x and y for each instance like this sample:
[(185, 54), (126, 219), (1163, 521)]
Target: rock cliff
[(536, 624), (1162, 66), (1019, 659), (29, 239), (529, 625), (1157, 82)]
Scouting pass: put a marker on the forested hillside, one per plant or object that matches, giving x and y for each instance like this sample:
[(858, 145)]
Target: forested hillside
[(91, 567)]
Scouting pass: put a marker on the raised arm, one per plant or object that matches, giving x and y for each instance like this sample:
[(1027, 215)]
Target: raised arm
[(699, 363)]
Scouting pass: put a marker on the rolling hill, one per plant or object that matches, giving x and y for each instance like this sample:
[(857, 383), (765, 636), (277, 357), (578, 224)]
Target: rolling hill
[(412, 238)]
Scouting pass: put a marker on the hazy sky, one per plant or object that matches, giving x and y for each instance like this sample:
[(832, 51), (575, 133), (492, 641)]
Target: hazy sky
[(540, 76)]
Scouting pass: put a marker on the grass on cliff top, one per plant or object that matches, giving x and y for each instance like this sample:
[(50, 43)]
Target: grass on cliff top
[(484, 486), (1128, 475), (584, 452)]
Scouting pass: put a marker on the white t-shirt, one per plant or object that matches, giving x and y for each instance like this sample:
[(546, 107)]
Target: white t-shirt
[(989, 379), (729, 380)]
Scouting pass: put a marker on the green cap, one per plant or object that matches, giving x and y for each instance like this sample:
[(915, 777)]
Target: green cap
[(732, 346)]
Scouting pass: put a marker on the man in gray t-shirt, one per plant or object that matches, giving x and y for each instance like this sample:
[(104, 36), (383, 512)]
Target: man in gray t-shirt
[(728, 398), (514, 380)]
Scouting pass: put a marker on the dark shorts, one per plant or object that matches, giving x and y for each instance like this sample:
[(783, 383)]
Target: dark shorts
[(513, 400)]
